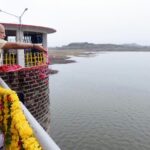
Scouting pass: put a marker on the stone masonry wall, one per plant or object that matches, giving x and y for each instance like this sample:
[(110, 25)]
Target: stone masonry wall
[(32, 87)]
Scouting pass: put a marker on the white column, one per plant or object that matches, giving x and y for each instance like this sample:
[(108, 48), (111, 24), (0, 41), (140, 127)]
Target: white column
[(1, 57), (20, 52), (44, 40)]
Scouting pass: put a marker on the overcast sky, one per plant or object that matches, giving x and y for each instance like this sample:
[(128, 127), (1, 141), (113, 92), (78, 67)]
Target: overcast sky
[(96, 21)]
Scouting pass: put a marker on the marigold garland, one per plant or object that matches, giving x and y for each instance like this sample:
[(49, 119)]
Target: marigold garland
[(16, 129)]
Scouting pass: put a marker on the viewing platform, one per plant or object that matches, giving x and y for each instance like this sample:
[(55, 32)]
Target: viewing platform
[(27, 34)]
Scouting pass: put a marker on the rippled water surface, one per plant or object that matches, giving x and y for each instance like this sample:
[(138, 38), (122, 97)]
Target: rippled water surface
[(102, 102)]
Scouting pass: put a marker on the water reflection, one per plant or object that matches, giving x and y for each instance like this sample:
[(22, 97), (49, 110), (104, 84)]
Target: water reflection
[(102, 102)]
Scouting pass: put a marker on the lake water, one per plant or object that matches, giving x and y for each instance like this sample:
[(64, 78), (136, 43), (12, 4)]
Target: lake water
[(102, 102)]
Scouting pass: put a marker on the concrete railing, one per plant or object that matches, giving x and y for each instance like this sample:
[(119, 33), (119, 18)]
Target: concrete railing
[(42, 136)]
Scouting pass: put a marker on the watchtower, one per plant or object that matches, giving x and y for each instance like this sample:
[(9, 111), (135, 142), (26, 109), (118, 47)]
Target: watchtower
[(31, 80)]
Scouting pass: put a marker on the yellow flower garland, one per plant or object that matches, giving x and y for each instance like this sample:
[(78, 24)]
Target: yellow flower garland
[(17, 131)]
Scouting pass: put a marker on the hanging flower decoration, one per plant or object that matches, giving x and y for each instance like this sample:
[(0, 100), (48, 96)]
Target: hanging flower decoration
[(18, 135)]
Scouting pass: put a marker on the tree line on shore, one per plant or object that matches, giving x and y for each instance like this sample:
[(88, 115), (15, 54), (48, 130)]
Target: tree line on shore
[(102, 47)]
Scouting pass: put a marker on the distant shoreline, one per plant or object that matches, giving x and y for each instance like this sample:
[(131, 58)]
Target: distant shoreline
[(63, 57), (102, 47), (57, 56)]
